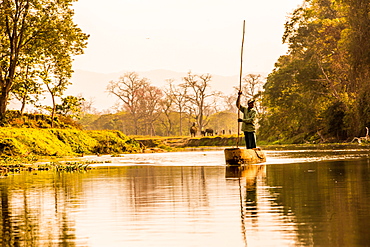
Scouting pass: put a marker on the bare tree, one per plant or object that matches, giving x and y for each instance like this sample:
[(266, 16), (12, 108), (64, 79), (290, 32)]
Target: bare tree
[(230, 102), (149, 107), (179, 97), (87, 105), (129, 88), (167, 105), (253, 87), (140, 99), (198, 94)]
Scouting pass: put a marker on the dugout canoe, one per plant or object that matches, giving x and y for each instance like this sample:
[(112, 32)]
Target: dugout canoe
[(241, 156)]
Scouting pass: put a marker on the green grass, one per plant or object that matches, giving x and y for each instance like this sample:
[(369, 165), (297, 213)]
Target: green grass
[(24, 142)]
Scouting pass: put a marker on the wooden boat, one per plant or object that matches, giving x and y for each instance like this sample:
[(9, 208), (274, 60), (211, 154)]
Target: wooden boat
[(240, 157)]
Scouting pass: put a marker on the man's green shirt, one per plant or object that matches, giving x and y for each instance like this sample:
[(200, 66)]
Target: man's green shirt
[(249, 119)]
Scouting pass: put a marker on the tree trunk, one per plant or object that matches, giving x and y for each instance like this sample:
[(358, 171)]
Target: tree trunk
[(3, 102), (53, 111), (180, 123), (23, 105)]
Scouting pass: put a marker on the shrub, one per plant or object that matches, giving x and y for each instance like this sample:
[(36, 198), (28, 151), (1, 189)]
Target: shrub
[(10, 147), (63, 142)]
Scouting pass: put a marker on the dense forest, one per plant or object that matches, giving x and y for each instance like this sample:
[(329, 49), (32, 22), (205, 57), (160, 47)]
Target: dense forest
[(317, 92)]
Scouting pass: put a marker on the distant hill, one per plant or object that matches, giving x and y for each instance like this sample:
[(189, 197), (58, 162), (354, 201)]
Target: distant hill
[(92, 85)]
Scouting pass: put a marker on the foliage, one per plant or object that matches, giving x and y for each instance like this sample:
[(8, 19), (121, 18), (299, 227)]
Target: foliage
[(317, 92), (71, 106), (26, 120), (37, 41), (10, 147), (223, 122), (113, 142), (63, 142)]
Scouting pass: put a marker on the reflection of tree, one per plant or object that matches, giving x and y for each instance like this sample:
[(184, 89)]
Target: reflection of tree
[(150, 192), (30, 224), (27, 218), (327, 200), (5, 217), (66, 230), (17, 225)]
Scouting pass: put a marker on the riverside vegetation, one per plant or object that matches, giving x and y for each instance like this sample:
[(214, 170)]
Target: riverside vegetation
[(317, 92), (26, 139), (24, 142)]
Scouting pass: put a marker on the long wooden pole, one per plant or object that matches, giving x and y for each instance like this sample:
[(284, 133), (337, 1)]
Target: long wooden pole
[(240, 81)]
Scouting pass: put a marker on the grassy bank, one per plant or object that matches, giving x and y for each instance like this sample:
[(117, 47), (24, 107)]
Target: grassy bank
[(26, 142)]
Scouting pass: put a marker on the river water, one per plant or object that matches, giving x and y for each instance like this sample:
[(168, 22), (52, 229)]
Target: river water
[(296, 198)]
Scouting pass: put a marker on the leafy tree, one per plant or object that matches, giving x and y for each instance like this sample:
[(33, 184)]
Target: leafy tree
[(39, 29), (224, 122), (312, 77), (27, 88), (71, 106), (356, 41), (56, 82)]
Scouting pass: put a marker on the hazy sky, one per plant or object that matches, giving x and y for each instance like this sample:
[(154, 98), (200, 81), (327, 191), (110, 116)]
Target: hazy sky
[(203, 36)]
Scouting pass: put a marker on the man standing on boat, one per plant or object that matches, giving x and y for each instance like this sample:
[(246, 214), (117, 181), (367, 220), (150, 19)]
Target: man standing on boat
[(248, 122)]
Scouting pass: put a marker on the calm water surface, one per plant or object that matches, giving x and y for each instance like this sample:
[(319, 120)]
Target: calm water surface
[(296, 198)]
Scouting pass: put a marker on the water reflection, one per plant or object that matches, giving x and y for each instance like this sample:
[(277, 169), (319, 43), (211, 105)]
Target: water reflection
[(263, 222), (175, 203), (330, 200)]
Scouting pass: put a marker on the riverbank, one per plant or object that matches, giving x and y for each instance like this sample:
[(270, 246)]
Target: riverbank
[(29, 142), (28, 145)]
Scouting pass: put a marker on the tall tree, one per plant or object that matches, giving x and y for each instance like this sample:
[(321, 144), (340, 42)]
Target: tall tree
[(129, 89), (356, 40), (55, 77), (252, 88), (167, 104), (39, 29), (252, 85), (140, 99), (311, 81), (27, 88), (150, 99), (199, 87), (179, 97)]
